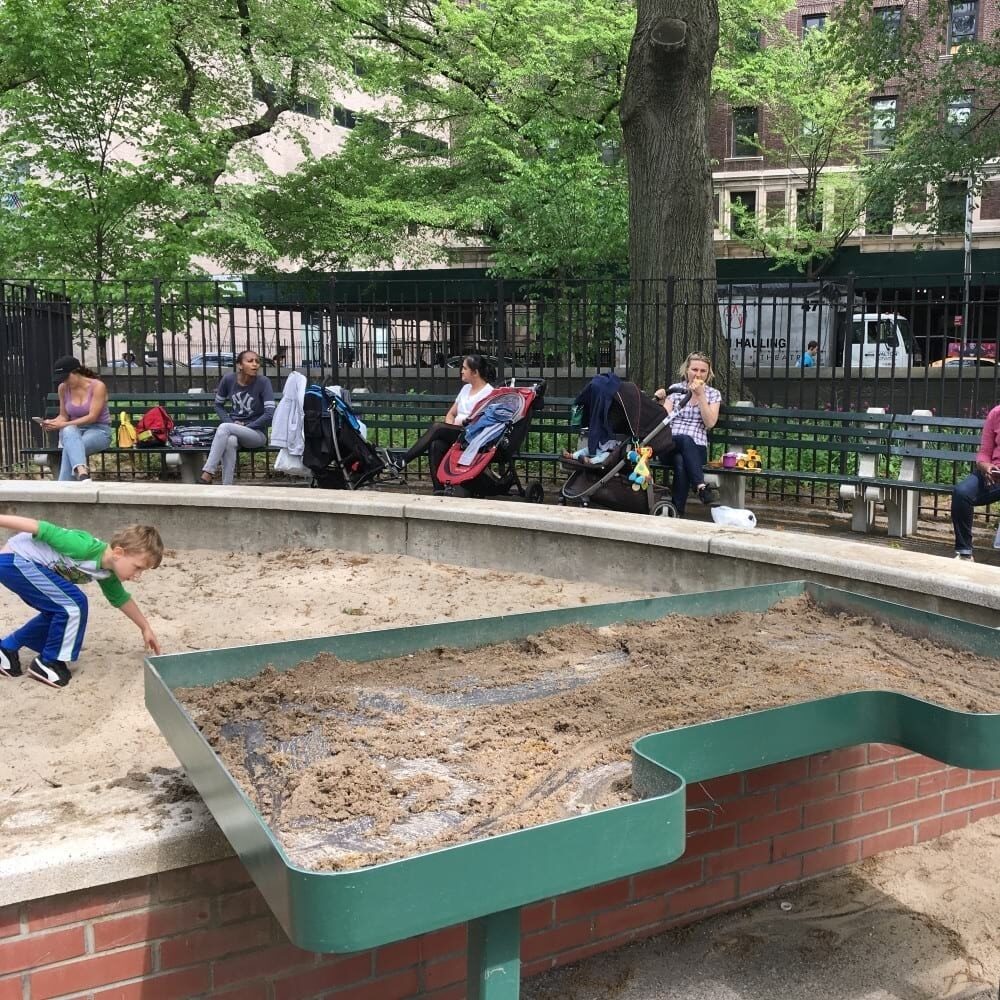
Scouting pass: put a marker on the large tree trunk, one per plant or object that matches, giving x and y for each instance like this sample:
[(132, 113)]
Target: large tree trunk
[(664, 114)]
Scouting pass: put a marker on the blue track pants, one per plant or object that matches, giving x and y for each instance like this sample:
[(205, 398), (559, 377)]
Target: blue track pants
[(57, 630)]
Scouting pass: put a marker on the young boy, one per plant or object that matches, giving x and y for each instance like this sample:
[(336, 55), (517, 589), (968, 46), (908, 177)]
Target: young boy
[(43, 564)]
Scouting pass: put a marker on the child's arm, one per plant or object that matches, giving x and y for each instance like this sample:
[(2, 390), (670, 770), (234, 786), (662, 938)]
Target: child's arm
[(14, 523), (131, 611)]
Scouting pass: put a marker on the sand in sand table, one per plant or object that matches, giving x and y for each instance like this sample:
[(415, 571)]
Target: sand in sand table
[(354, 764)]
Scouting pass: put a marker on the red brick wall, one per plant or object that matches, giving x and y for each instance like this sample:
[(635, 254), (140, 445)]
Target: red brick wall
[(206, 932)]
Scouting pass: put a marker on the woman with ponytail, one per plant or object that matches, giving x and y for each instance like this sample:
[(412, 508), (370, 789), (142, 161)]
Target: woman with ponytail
[(84, 423)]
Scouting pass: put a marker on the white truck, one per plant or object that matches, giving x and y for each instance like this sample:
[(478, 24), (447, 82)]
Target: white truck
[(770, 327)]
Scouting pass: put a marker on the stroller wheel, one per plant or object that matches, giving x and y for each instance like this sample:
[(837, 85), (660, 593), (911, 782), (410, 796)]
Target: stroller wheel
[(535, 493), (664, 509), (456, 491)]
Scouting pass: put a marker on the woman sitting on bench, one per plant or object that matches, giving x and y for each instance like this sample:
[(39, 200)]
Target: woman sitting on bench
[(84, 423), (250, 401), (439, 437), (690, 429)]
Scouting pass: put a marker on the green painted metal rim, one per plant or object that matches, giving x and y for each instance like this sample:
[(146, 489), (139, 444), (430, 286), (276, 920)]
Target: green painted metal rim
[(355, 910)]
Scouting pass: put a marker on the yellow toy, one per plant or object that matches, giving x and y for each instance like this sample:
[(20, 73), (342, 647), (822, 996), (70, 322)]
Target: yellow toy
[(640, 477), (750, 459)]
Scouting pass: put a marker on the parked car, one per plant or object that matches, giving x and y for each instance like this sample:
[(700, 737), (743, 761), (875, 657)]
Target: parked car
[(134, 364), (989, 363), (214, 359), (491, 359)]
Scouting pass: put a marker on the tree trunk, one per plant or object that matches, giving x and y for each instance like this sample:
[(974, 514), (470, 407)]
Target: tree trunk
[(664, 115)]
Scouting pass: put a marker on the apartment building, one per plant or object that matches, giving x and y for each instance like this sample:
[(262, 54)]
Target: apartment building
[(768, 187)]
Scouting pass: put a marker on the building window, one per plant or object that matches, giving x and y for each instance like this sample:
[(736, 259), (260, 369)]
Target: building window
[(745, 140), (716, 209), (809, 210), (813, 22), (889, 21), (951, 199), (879, 214), (743, 211), (307, 106), (957, 115), (883, 119), (344, 117), (962, 24)]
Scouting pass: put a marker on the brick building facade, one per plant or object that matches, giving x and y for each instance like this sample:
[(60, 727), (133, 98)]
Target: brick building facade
[(769, 188)]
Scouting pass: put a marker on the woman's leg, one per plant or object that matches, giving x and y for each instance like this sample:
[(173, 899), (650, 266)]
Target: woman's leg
[(970, 493), (218, 449), (239, 435), (448, 433), (78, 441), (687, 460)]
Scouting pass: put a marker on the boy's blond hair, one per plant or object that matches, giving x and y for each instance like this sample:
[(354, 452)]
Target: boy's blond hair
[(140, 539)]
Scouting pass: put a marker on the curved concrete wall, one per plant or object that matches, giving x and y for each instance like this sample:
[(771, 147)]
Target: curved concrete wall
[(659, 554)]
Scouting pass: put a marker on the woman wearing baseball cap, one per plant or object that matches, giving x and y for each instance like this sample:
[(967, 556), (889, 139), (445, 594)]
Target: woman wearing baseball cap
[(84, 423)]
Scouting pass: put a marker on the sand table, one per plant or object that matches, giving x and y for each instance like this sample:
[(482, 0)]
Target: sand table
[(98, 729), (354, 764)]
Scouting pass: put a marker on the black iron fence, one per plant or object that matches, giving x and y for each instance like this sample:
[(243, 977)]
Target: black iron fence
[(929, 341)]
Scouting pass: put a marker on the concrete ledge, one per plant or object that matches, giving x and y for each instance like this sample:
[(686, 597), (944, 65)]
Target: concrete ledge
[(104, 834), (69, 839)]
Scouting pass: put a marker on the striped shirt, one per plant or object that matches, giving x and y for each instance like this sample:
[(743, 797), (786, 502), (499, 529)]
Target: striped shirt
[(687, 420)]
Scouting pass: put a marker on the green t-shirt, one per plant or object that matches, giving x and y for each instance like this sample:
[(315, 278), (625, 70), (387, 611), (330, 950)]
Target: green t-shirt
[(75, 555)]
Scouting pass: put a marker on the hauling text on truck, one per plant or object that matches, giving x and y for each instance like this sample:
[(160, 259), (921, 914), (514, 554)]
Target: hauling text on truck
[(770, 327)]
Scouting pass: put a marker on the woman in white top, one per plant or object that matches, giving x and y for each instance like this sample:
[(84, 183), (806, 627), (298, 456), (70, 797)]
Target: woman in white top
[(439, 437)]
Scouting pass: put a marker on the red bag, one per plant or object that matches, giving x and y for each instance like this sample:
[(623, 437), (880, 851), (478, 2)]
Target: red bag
[(154, 428)]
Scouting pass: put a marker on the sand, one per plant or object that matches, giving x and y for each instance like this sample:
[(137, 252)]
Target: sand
[(97, 729), (354, 764)]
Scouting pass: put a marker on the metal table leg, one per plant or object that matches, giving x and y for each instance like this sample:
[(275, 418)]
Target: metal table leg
[(494, 960)]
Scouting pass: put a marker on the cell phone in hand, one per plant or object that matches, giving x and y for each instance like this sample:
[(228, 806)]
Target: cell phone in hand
[(39, 420)]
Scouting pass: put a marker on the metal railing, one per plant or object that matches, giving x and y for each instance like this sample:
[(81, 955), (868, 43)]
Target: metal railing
[(878, 338)]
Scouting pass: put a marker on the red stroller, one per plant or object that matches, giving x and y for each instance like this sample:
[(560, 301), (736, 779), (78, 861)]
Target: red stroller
[(481, 462)]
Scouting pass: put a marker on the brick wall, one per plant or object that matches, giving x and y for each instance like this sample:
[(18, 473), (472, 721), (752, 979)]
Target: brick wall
[(206, 932)]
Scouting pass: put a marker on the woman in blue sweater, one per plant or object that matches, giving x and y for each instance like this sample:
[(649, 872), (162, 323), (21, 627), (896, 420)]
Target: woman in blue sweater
[(244, 401)]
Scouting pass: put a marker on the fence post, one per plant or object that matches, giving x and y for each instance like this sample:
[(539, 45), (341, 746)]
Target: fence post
[(501, 329), (158, 334), (666, 357), (334, 346)]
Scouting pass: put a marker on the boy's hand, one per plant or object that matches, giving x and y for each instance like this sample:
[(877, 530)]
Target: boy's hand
[(149, 638)]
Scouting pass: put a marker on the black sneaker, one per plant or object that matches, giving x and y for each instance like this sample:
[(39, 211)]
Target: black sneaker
[(10, 663), (706, 495), (55, 673)]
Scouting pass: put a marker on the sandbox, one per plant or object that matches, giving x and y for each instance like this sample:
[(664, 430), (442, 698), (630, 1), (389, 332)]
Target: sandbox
[(353, 764)]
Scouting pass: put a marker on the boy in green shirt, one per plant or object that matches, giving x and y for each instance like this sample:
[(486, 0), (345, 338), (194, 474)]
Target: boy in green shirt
[(43, 564)]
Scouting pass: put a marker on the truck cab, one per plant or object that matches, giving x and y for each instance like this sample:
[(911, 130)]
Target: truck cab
[(876, 340)]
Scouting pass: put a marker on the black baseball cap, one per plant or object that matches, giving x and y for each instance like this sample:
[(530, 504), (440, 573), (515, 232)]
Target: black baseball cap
[(65, 366)]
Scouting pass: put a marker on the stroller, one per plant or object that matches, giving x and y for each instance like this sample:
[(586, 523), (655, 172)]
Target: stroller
[(336, 451), (481, 462), (635, 419)]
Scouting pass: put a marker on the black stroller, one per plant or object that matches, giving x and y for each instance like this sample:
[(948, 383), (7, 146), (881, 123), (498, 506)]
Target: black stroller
[(635, 419), (336, 451), (481, 462)]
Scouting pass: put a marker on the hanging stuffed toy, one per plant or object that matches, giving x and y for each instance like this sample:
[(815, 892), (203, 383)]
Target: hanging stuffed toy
[(640, 477)]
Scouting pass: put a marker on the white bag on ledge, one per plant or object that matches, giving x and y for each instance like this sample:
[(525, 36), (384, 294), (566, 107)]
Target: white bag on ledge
[(734, 517)]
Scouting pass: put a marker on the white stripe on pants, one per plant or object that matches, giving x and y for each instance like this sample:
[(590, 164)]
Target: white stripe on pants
[(227, 439)]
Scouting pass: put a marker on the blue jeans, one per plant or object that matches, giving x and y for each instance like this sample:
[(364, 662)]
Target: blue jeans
[(77, 442), (971, 492), (686, 459)]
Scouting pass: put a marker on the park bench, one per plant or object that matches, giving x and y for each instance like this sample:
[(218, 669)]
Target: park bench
[(872, 459), (189, 409)]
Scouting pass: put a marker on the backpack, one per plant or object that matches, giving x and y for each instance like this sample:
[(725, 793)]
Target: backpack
[(153, 430)]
